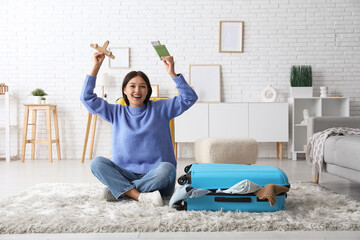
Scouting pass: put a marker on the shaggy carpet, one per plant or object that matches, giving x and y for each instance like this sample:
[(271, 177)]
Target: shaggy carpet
[(75, 208)]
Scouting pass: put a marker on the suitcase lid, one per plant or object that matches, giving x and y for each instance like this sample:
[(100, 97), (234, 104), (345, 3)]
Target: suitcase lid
[(224, 176)]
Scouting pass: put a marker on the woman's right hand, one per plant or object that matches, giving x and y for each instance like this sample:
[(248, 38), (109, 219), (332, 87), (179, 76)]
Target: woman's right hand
[(98, 58)]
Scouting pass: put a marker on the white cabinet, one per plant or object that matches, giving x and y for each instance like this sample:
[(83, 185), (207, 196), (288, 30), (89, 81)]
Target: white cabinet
[(265, 122), (8, 126), (228, 119), (192, 124), (268, 122), (316, 107)]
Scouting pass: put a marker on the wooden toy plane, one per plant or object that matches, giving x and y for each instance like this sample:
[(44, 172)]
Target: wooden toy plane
[(103, 49)]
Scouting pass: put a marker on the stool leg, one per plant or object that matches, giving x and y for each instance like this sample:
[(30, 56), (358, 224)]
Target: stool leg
[(281, 151), (23, 146), (48, 126), (33, 135), (277, 149), (86, 137), (92, 136), (56, 125)]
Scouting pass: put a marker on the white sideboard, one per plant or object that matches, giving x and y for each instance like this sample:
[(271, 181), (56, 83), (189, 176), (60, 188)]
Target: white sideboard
[(317, 107), (8, 125), (265, 122)]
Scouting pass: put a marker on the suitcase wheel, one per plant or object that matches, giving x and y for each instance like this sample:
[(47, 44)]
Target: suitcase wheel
[(187, 168), (180, 205), (182, 180)]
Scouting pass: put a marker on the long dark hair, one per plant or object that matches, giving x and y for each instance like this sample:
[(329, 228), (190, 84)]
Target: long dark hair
[(130, 76)]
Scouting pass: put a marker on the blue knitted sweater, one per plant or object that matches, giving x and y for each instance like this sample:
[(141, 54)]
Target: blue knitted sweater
[(141, 136)]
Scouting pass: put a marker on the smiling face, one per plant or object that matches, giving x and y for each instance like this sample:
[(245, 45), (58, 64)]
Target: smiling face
[(136, 91)]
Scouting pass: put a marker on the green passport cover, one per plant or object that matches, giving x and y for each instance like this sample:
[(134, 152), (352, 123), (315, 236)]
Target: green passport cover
[(161, 51)]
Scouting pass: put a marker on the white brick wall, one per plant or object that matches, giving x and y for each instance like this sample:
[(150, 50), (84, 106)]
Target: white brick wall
[(46, 44)]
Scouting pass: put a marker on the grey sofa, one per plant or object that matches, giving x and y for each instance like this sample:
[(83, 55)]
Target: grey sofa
[(342, 153)]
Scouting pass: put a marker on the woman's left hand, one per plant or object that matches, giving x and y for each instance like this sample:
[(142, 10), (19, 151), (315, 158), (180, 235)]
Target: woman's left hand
[(169, 65)]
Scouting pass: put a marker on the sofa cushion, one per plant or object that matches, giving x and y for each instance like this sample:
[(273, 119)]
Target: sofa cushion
[(343, 151)]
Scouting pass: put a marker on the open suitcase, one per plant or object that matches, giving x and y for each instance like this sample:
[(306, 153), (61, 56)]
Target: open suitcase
[(213, 176)]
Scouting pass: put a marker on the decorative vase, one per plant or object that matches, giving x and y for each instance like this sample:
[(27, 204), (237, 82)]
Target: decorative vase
[(323, 91), (301, 92), (37, 99), (269, 94)]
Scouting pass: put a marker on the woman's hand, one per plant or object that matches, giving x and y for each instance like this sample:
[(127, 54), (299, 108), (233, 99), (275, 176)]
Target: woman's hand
[(98, 58), (169, 65)]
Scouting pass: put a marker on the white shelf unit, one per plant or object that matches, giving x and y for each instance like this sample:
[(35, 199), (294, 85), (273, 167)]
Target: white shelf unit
[(330, 106), (8, 126)]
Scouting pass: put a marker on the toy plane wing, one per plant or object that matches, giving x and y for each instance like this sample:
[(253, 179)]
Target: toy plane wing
[(103, 49)]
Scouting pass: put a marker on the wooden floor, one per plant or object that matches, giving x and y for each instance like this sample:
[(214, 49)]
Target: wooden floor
[(16, 177)]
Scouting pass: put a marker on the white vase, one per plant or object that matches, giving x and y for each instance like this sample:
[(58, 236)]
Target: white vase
[(301, 92), (269, 94), (37, 99), (323, 91)]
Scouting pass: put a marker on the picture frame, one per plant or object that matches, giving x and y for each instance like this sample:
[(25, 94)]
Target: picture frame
[(231, 39), (155, 90), (122, 57), (206, 81)]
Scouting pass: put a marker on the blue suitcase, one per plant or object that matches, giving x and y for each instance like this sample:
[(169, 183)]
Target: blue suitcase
[(213, 176)]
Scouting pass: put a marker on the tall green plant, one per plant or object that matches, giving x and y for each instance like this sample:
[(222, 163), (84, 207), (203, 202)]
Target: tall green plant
[(301, 76)]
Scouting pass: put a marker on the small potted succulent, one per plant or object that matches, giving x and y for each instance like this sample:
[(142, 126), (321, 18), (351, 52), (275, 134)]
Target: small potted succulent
[(38, 94), (43, 100), (301, 82)]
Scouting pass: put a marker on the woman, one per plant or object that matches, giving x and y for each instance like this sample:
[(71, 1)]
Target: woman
[(143, 165)]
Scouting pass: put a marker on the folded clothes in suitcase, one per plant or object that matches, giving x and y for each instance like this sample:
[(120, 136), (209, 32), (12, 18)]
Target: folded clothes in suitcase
[(213, 176)]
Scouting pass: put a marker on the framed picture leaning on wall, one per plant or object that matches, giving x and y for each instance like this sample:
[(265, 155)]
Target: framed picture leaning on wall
[(205, 80), (155, 90), (122, 59), (231, 36)]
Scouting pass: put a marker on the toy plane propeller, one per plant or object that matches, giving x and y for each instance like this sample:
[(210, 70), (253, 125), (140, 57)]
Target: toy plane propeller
[(103, 49)]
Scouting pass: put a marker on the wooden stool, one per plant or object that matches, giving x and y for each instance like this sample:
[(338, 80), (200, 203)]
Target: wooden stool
[(34, 109)]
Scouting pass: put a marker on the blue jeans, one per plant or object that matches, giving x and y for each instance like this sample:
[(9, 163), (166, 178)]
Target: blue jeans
[(119, 180)]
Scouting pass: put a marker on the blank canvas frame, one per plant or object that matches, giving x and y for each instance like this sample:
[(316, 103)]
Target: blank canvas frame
[(155, 90), (122, 57), (231, 36), (206, 81)]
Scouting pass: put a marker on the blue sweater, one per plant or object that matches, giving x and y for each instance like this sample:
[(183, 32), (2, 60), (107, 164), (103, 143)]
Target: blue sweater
[(141, 137)]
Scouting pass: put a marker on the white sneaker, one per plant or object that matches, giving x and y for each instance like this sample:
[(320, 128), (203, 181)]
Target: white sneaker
[(153, 198)]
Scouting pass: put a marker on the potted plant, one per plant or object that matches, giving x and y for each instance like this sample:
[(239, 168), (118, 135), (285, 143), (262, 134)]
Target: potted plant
[(43, 100), (38, 94), (301, 82)]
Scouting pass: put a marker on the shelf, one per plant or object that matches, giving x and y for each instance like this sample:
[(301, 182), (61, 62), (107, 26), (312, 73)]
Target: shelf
[(317, 107)]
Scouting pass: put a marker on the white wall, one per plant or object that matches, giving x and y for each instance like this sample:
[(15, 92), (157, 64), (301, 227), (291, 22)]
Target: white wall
[(46, 44)]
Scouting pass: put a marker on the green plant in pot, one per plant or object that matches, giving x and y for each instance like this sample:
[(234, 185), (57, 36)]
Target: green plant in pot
[(38, 94), (301, 82)]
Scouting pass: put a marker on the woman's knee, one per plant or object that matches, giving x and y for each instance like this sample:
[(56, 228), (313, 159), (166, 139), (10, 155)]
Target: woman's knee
[(167, 168), (98, 162)]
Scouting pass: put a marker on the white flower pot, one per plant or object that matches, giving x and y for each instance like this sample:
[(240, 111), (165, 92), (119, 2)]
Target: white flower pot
[(301, 92), (43, 101), (37, 99)]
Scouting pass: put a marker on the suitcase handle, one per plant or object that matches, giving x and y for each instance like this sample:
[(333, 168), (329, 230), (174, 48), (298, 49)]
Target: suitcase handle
[(227, 199)]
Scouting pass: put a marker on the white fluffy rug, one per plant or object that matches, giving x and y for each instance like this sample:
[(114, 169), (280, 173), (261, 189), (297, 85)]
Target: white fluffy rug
[(75, 208)]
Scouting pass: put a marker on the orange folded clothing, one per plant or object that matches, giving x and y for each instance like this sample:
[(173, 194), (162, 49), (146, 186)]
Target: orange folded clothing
[(270, 191)]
